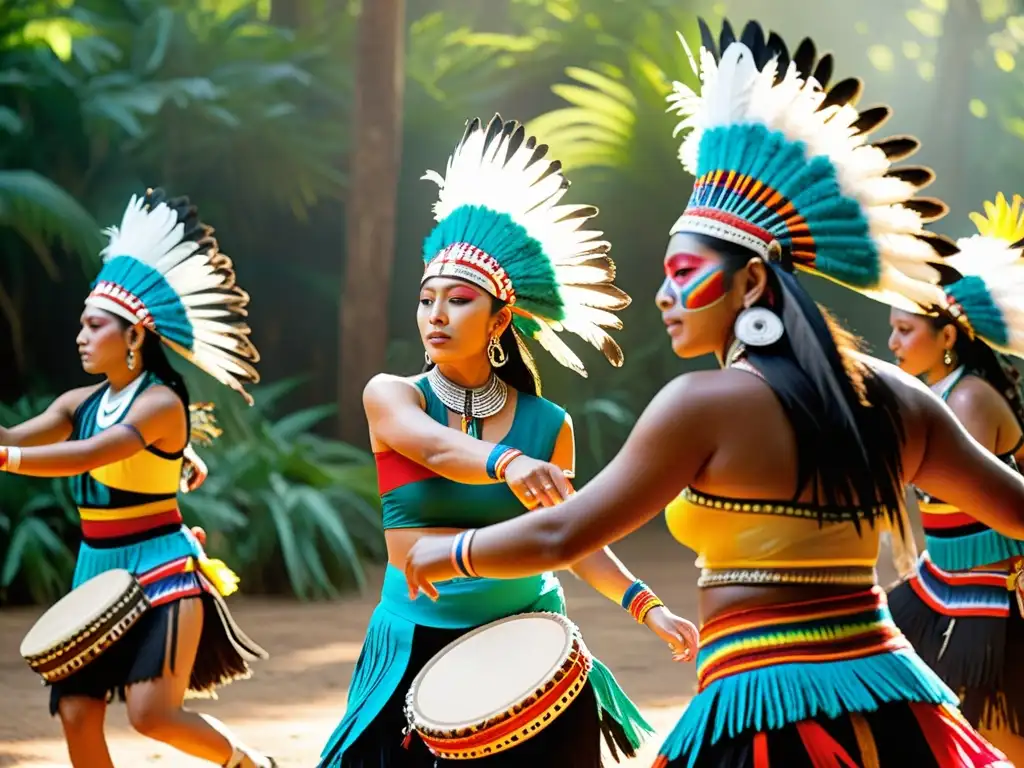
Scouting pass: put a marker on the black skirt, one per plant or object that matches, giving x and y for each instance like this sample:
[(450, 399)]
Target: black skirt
[(140, 655), (896, 735), (573, 740), (980, 657)]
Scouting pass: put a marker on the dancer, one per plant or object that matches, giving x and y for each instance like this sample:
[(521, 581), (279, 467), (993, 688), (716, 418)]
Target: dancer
[(122, 443), (473, 440), (959, 609), (794, 455)]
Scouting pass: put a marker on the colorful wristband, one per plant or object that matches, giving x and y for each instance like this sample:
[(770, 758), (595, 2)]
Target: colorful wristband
[(501, 456), (460, 554), (10, 459), (639, 600)]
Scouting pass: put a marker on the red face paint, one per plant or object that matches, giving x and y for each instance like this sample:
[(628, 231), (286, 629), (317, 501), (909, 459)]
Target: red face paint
[(463, 292), (693, 281)]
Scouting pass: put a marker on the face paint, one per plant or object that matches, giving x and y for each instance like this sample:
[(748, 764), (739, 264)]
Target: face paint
[(463, 292), (694, 282)]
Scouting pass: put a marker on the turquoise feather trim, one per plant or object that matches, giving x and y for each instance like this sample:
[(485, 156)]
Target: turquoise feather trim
[(972, 551), (985, 317), (521, 256), (773, 697), (135, 558), (388, 647), (152, 289), (842, 248)]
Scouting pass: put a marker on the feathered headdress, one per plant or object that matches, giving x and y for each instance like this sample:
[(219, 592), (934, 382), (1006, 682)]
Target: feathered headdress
[(501, 227), (984, 281), (162, 268), (780, 156)]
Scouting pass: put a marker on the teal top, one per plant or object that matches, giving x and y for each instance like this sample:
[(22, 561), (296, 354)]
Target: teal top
[(414, 497)]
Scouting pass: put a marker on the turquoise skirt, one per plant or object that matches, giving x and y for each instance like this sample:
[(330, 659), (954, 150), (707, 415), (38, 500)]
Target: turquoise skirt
[(463, 604)]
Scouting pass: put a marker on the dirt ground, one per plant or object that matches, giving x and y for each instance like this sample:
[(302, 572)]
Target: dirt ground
[(293, 701)]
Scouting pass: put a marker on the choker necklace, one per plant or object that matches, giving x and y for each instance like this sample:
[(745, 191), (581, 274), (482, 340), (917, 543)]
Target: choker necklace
[(472, 404), (113, 407)]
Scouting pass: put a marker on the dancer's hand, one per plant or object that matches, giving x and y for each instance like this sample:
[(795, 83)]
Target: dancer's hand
[(194, 470), (427, 561), (681, 635), (537, 483)]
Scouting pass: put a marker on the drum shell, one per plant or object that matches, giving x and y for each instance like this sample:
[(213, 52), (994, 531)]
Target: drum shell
[(520, 721), (66, 657)]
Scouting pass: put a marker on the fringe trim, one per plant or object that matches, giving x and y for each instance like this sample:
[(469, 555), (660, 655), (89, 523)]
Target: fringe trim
[(632, 729), (773, 697), (965, 552)]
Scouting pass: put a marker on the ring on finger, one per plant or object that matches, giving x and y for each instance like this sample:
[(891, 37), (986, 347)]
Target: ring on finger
[(528, 493)]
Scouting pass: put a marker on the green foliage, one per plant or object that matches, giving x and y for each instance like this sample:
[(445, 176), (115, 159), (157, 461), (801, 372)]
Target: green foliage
[(37, 521), (283, 506)]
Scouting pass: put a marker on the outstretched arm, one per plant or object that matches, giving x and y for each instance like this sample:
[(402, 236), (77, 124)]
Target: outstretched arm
[(665, 452), (156, 416), (53, 425), (397, 421)]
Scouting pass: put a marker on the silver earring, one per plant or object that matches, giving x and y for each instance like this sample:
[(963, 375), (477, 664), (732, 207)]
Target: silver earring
[(758, 327), (947, 358), (426, 358), (131, 359), (496, 354)]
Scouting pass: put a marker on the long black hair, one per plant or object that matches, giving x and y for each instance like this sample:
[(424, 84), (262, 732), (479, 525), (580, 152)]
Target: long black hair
[(519, 371), (155, 361), (846, 418), (979, 359)]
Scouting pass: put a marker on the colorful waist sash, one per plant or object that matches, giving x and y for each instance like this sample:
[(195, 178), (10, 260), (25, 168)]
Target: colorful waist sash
[(764, 668), (964, 593), (958, 542), (99, 524)]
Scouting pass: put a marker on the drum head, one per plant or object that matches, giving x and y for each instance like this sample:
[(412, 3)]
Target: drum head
[(490, 669), (76, 610)]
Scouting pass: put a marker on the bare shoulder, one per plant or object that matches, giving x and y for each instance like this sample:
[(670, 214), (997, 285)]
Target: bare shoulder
[(158, 398), (73, 398), (387, 389), (975, 395), (909, 390), (700, 391)]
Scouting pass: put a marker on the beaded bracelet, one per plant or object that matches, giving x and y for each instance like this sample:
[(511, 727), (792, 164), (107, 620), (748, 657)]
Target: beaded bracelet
[(501, 456), (460, 554), (639, 600)]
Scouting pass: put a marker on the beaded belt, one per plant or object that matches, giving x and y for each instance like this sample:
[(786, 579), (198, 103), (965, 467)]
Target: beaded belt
[(855, 575)]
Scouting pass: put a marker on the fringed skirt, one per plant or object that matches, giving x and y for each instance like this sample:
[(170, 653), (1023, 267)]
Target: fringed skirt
[(171, 567), (404, 635), (827, 682), (967, 627)]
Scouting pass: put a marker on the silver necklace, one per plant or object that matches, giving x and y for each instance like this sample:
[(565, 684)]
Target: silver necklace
[(112, 407), (480, 403)]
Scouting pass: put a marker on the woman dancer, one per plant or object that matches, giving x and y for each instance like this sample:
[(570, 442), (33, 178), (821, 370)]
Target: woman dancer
[(794, 455), (958, 609), (122, 444), (473, 440)]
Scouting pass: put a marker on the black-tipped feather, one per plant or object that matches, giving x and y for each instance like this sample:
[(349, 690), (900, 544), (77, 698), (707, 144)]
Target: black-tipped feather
[(846, 91), (929, 208), (898, 147), (707, 40), (941, 244), (871, 119), (917, 175)]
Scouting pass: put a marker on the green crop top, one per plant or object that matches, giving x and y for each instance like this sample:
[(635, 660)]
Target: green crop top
[(413, 496)]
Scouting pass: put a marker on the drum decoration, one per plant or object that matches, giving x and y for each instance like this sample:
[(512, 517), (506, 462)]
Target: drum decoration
[(497, 686), (83, 624)]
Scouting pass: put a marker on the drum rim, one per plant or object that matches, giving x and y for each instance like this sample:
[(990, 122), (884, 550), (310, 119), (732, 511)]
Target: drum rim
[(418, 720), (131, 583)]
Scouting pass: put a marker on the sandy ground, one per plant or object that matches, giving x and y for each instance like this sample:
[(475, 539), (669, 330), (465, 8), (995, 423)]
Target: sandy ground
[(295, 699)]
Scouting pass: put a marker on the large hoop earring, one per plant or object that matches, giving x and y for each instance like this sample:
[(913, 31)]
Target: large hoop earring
[(758, 327), (131, 359), (495, 353), (947, 357)]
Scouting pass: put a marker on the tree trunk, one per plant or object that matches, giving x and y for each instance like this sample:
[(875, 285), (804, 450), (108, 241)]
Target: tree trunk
[(375, 160), (963, 36)]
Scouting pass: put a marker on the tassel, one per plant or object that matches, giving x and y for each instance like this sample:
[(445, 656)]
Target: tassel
[(222, 577), (407, 739), (823, 750), (1015, 584)]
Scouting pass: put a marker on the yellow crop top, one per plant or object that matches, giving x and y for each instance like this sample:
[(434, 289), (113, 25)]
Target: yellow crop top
[(745, 533)]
